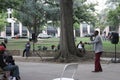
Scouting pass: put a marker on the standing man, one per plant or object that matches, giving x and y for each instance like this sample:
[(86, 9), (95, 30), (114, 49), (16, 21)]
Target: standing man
[(98, 48), (27, 49)]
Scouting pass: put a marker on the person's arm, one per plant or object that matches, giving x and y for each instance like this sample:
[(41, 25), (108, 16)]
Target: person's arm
[(97, 39)]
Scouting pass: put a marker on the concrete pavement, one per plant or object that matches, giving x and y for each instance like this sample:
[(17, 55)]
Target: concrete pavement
[(48, 71)]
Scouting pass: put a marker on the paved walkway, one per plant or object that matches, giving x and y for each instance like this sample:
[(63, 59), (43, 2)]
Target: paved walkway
[(48, 71)]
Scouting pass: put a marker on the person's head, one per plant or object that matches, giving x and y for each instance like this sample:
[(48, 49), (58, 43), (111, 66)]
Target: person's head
[(81, 42), (2, 42), (2, 49), (96, 33)]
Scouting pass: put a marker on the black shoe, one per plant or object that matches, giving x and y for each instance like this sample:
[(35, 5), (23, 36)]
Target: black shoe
[(95, 71), (18, 78), (100, 71)]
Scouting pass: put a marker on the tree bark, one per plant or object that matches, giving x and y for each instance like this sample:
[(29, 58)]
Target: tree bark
[(67, 43)]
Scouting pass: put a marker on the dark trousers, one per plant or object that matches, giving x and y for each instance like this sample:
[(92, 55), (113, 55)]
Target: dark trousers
[(97, 61), (24, 52), (14, 69), (27, 52)]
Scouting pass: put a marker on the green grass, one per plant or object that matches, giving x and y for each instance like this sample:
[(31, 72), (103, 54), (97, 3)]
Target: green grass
[(19, 44)]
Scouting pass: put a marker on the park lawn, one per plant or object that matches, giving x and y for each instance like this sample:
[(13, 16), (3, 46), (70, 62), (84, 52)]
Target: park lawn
[(19, 44)]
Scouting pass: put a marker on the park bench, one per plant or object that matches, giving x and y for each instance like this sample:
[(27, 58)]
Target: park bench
[(1, 74), (4, 75)]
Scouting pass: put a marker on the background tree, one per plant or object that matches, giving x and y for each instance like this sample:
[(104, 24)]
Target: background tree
[(101, 21), (84, 12), (52, 11), (113, 18), (67, 44), (5, 4), (113, 14), (31, 14), (3, 21), (112, 3), (81, 13)]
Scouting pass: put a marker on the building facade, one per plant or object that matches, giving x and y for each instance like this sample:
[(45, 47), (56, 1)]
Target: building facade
[(14, 27), (85, 29)]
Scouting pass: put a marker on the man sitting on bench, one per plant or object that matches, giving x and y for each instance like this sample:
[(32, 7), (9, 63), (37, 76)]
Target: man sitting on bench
[(8, 67)]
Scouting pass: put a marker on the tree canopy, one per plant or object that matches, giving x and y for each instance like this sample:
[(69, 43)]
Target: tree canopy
[(50, 9), (5, 4), (113, 15), (84, 12), (114, 18), (31, 14)]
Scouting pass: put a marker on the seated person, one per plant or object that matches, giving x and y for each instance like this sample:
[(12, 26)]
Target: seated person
[(80, 46), (9, 60), (6, 67)]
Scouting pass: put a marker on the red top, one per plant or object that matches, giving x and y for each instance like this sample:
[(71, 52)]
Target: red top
[(2, 48)]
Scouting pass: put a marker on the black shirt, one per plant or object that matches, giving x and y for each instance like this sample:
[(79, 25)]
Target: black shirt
[(2, 63)]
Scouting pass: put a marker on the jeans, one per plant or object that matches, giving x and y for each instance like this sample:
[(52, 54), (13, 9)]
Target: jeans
[(14, 69)]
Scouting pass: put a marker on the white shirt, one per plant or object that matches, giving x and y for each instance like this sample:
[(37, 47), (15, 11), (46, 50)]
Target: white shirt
[(80, 46)]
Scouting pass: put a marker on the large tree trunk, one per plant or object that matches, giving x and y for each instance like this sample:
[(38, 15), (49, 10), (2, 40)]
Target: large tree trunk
[(67, 43)]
